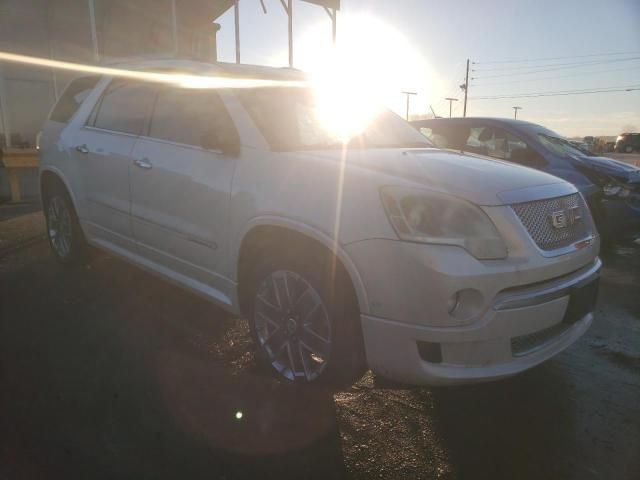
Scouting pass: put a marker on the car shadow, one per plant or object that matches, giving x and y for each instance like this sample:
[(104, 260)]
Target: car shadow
[(111, 373)]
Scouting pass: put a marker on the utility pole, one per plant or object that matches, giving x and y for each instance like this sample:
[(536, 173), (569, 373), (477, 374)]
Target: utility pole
[(515, 112), (465, 87), (408, 94), (451, 100)]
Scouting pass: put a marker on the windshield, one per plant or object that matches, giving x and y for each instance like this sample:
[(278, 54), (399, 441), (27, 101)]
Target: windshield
[(559, 145), (554, 142), (288, 118)]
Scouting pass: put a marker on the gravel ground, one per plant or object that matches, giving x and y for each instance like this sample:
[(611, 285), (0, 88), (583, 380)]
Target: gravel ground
[(108, 372)]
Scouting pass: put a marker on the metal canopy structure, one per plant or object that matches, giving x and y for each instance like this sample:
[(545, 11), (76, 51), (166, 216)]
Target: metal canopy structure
[(329, 6)]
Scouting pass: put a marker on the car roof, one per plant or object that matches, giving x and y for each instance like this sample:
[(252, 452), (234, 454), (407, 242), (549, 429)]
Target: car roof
[(204, 68)]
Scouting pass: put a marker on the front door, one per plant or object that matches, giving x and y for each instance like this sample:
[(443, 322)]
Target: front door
[(181, 186)]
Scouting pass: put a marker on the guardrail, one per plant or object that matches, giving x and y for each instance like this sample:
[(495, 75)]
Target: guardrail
[(15, 159)]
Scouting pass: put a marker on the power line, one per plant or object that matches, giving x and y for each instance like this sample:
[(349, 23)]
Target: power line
[(553, 69), (628, 88), (556, 76), (557, 58), (530, 67)]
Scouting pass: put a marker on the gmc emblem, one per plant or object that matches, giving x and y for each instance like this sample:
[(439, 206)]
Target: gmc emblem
[(563, 218)]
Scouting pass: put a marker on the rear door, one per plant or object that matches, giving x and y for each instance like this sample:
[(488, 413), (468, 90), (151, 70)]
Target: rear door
[(103, 149), (181, 183)]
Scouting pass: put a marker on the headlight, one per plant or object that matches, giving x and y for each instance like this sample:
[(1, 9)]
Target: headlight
[(615, 190), (427, 217)]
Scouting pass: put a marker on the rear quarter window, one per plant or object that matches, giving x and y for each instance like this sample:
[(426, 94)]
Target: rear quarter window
[(124, 107), (77, 91)]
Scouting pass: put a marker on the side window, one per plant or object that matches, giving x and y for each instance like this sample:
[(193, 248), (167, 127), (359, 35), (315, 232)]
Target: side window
[(190, 116), (498, 143), (439, 141), (124, 107), (72, 98), (441, 137)]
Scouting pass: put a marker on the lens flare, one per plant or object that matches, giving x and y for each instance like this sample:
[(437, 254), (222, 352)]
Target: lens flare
[(366, 70), (180, 79)]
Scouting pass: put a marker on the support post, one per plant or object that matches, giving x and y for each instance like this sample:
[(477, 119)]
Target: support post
[(236, 16), (288, 7), (14, 185), (94, 32), (334, 26), (332, 12), (4, 111), (290, 12), (174, 27)]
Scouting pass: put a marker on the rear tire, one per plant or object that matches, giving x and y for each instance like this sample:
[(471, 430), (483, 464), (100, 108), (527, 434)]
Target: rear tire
[(65, 235), (628, 149), (304, 321)]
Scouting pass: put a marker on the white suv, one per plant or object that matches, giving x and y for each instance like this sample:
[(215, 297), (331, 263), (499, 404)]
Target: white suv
[(426, 265)]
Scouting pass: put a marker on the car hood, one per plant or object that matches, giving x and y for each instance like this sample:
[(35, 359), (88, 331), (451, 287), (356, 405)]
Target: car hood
[(479, 179), (614, 168)]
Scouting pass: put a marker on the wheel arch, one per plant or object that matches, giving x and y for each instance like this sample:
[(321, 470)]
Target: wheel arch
[(278, 228), (50, 176)]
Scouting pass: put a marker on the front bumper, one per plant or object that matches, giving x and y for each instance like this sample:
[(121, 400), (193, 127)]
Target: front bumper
[(524, 327)]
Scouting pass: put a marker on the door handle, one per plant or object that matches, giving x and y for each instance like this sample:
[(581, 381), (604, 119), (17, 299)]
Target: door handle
[(143, 163), (82, 148)]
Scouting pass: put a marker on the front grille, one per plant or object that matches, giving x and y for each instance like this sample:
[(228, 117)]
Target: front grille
[(556, 222), (525, 344)]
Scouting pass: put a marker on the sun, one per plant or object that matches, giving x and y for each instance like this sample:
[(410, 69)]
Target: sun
[(365, 72)]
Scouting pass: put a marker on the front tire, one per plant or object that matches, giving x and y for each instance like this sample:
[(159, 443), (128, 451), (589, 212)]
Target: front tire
[(304, 320), (65, 235), (628, 149)]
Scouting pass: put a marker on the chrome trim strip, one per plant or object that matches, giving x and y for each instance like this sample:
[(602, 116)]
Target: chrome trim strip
[(108, 132), (192, 238), (181, 145), (564, 250), (550, 291)]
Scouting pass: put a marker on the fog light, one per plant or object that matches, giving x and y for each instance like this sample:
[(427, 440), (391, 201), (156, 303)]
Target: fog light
[(453, 301)]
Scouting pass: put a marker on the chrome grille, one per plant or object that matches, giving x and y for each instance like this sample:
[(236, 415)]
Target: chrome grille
[(525, 344), (544, 220)]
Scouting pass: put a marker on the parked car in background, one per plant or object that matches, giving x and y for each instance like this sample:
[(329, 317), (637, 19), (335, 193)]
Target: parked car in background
[(611, 187), (429, 266), (589, 141), (583, 147), (628, 143)]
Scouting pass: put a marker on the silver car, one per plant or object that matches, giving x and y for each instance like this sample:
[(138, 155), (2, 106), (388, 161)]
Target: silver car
[(427, 266)]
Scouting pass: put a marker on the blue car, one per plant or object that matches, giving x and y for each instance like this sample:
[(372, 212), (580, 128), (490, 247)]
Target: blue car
[(610, 187)]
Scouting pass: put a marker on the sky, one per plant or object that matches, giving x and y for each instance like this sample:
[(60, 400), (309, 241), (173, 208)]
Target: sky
[(423, 45)]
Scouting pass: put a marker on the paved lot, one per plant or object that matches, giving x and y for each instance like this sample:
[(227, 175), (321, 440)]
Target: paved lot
[(108, 372)]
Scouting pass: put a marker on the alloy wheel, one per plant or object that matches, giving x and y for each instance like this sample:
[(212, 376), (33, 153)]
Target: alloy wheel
[(292, 326), (59, 226)]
